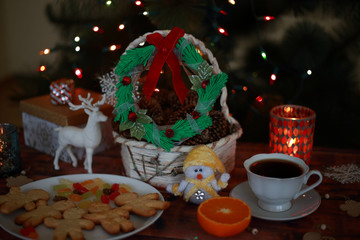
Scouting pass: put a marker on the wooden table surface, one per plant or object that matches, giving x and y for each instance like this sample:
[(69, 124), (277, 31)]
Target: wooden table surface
[(179, 221)]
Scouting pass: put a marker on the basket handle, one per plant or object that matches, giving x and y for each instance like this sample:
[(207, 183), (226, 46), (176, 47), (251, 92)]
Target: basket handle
[(224, 108)]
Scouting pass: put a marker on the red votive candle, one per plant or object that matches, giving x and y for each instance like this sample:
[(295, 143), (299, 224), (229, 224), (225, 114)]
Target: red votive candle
[(292, 131)]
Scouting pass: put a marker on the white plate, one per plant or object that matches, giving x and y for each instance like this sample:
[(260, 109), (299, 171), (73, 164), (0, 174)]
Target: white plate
[(7, 221), (302, 206)]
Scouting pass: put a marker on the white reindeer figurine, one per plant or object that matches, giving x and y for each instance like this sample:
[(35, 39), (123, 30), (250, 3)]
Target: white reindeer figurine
[(88, 137)]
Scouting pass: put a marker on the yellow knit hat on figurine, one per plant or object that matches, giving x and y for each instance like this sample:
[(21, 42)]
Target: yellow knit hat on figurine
[(205, 156)]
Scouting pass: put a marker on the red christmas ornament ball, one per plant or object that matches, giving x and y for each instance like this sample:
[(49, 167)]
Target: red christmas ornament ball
[(195, 114), (169, 133), (205, 83), (126, 80), (132, 116)]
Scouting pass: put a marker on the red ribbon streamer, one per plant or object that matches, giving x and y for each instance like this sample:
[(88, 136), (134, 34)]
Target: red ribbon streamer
[(164, 54)]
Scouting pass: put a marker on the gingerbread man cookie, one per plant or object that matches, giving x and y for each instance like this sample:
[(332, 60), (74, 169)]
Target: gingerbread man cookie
[(74, 213), (35, 217), (71, 225), (96, 207), (316, 236), (113, 220), (16, 199), (146, 205), (351, 207)]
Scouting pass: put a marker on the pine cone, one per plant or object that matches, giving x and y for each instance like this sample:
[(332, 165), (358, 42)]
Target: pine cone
[(220, 127), (191, 98), (180, 114), (155, 110), (168, 100)]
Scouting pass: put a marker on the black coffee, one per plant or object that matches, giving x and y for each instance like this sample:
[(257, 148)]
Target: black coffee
[(276, 168)]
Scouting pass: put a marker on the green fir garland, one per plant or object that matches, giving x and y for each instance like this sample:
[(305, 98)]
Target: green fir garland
[(133, 58), (207, 85)]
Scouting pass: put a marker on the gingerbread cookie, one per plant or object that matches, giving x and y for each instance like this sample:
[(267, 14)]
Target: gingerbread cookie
[(71, 225), (16, 199), (96, 207), (35, 217), (17, 181), (351, 207), (113, 221), (74, 213), (32, 205), (145, 206), (316, 236)]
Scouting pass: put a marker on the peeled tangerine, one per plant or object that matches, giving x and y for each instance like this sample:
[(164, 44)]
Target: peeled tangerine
[(224, 216)]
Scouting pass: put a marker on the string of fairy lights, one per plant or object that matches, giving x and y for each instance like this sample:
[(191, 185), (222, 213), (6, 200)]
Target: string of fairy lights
[(221, 30), (276, 67), (114, 47)]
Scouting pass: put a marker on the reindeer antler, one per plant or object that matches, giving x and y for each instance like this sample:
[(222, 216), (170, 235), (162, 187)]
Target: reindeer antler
[(86, 103), (100, 102)]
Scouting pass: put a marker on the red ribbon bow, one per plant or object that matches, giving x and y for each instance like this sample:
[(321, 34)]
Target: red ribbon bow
[(164, 54)]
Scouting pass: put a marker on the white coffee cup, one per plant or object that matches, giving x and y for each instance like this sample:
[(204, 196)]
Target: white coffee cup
[(274, 193)]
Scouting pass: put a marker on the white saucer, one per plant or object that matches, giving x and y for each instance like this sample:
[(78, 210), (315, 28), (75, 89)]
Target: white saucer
[(301, 207)]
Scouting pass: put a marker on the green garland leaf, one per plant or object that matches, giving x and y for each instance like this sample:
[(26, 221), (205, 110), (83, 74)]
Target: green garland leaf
[(182, 128), (205, 70), (208, 96), (204, 73), (204, 121), (137, 131), (196, 82), (142, 118), (126, 125), (123, 95), (189, 54), (142, 111), (165, 142), (132, 58)]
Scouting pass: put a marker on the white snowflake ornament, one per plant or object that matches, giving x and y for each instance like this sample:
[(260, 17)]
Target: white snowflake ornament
[(108, 87), (347, 173)]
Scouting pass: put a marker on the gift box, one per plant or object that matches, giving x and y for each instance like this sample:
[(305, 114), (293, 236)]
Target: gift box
[(40, 117), (62, 91)]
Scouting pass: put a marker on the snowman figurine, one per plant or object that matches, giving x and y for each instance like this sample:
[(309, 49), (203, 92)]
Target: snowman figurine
[(200, 182)]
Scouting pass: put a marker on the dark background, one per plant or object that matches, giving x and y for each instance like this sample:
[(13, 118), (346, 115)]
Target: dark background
[(321, 36)]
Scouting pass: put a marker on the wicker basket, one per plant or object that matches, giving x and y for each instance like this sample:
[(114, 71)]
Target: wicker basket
[(152, 164)]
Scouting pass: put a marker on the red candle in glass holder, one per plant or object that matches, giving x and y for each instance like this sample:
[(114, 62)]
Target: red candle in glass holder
[(292, 131)]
